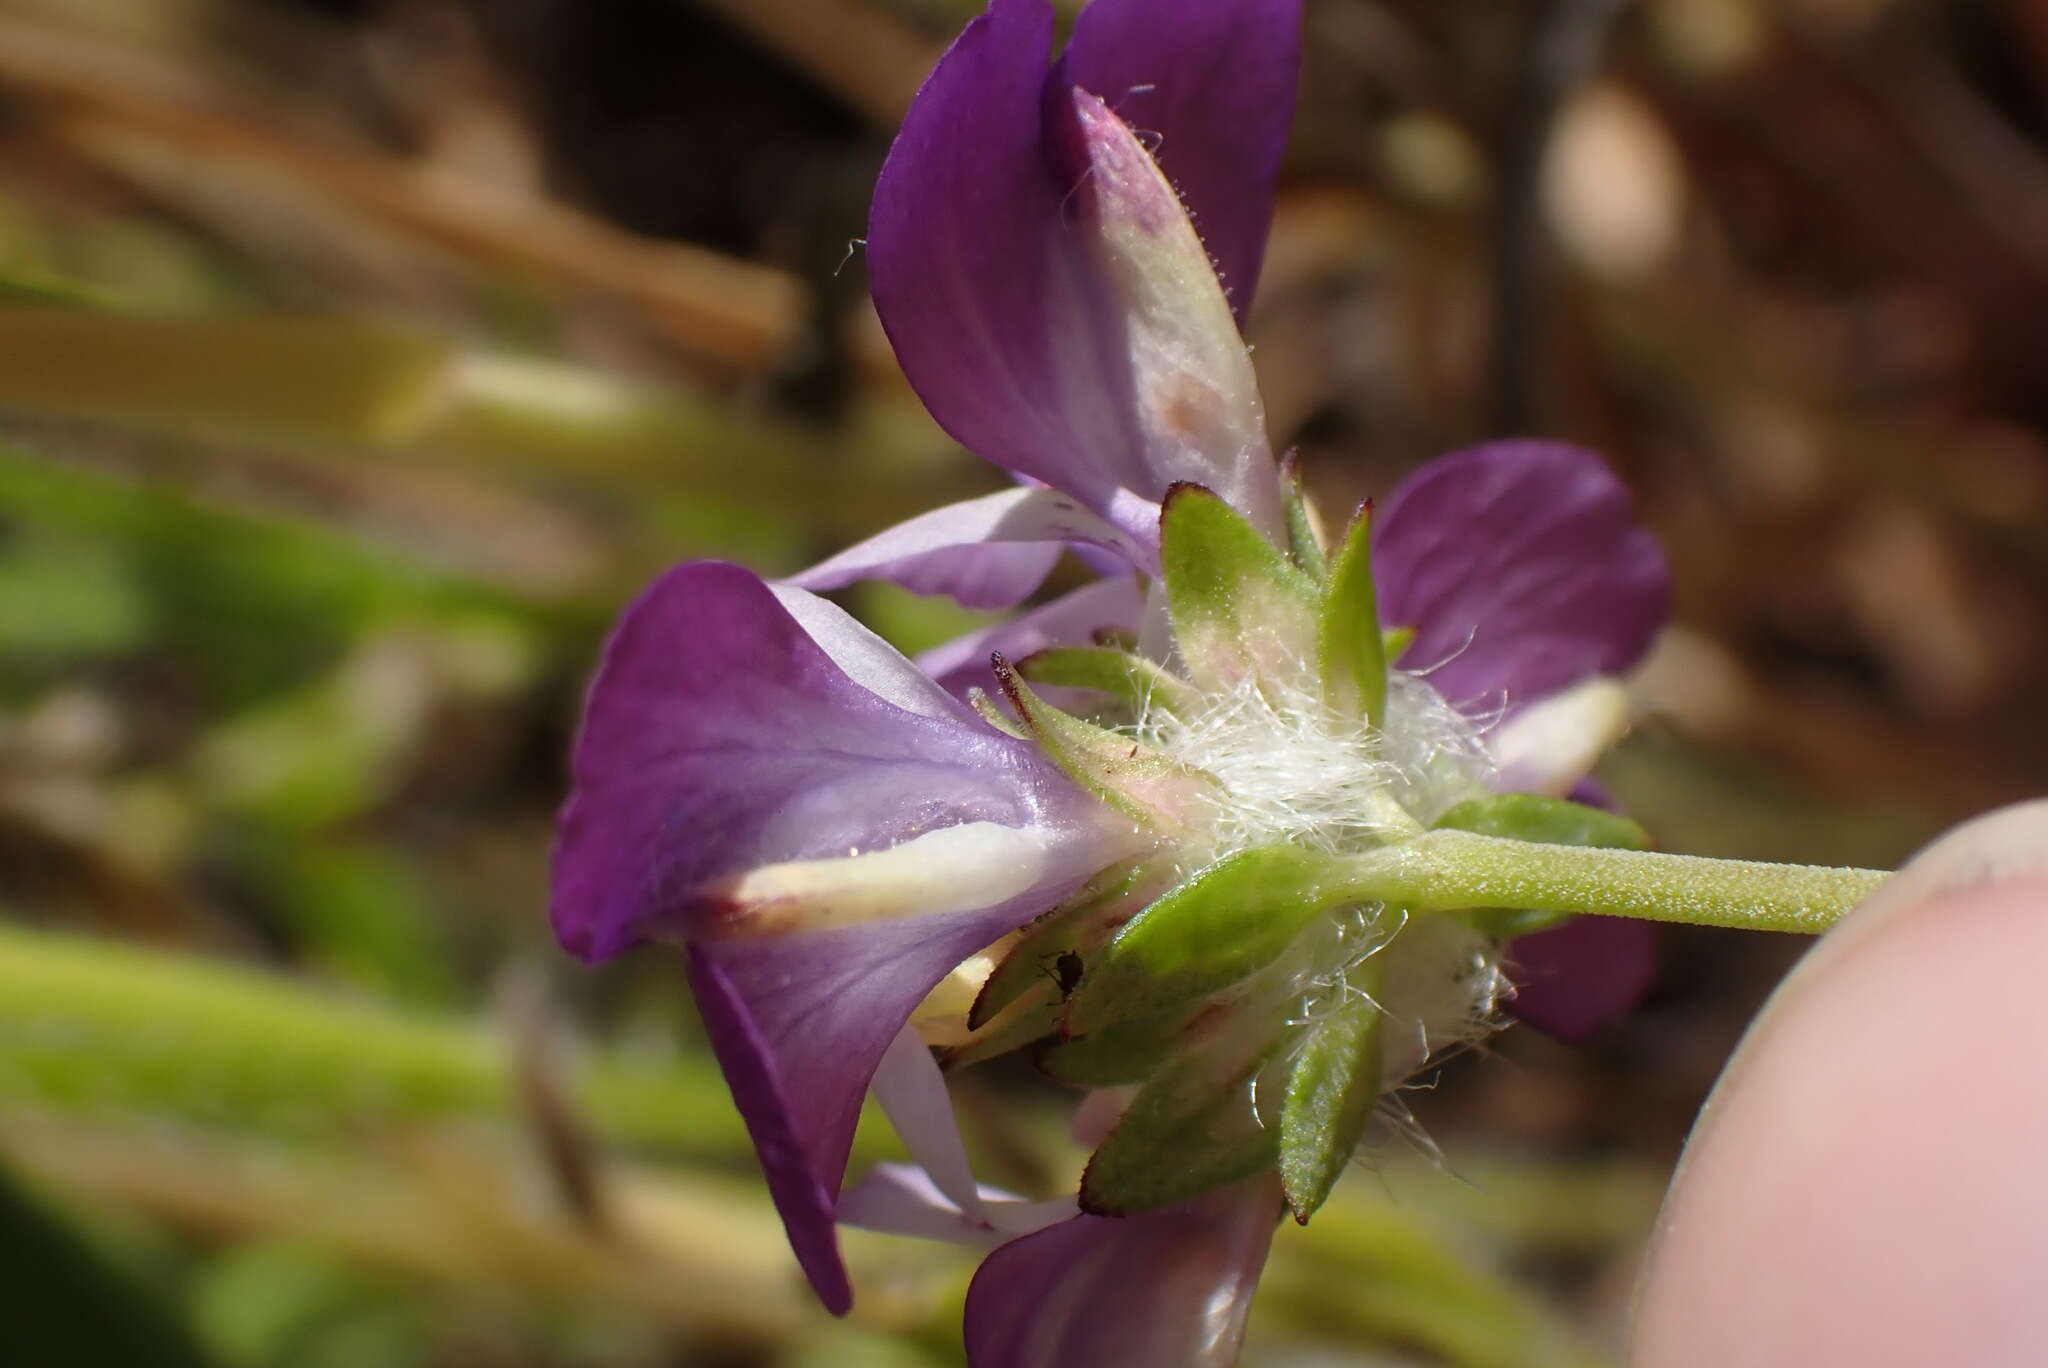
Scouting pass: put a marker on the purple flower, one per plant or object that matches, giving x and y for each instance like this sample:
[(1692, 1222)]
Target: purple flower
[(839, 839), (828, 832)]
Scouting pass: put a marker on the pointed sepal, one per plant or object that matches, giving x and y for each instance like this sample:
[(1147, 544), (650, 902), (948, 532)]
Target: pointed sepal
[(1129, 776), (1551, 821), (1057, 947), (1127, 1051), (987, 709), (1351, 656), (1333, 1084), (1305, 541), (1241, 609), (1192, 1127), (1031, 1017), (1131, 679), (1217, 929)]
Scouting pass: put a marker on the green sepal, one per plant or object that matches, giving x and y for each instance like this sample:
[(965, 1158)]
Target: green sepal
[(1128, 1051), (1240, 608), (1394, 641), (978, 699), (1029, 1017), (1129, 776), (1224, 924), (1333, 1085), (1077, 926), (1131, 679), (1191, 1128), (1304, 536), (1506, 923), (1551, 821), (1351, 651)]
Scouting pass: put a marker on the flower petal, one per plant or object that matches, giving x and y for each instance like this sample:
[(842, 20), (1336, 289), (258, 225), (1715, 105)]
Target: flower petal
[(902, 1199), (913, 1095), (1552, 744), (1073, 619), (800, 1024), (989, 552), (1522, 569), (1194, 411), (1573, 979), (1166, 1289), (721, 736), (1213, 81), (953, 869), (991, 278)]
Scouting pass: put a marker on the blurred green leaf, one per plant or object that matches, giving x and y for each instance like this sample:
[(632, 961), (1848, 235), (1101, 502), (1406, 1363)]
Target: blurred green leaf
[(914, 622), (281, 1305), (67, 597)]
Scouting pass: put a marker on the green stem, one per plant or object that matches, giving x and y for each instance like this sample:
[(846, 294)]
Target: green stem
[(1447, 870), (90, 1025)]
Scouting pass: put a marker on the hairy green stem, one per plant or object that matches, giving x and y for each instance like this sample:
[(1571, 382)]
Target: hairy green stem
[(1446, 870)]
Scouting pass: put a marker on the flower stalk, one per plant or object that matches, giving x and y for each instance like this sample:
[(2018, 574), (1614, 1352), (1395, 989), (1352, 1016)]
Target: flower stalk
[(1447, 870)]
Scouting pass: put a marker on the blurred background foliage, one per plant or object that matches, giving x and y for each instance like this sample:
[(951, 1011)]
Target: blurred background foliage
[(359, 358)]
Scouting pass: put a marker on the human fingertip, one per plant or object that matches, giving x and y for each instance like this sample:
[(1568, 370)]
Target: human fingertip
[(1862, 1185)]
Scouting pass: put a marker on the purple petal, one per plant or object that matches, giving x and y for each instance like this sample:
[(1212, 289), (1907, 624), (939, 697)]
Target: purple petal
[(1522, 569), (1071, 620), (799, 1025), (991, 287), (1573, 979), (1214, 81), (989, 552), (1166, 1289), (721, 736)]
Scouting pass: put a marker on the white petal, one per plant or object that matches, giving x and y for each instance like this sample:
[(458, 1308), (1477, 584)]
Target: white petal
[(1552, 744), (954, 869)]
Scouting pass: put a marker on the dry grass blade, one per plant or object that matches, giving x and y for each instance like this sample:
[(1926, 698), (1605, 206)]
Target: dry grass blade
[(110, 105)]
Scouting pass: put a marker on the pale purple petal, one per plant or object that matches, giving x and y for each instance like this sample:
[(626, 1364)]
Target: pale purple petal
[(902, 1199), (989, 552), (863, 657), (1573, 979), (912, 1093), (1522, 568), (1004, 310), (1116, 605), (720, 736), (1211, 83), (800, 1024), (1164, 1289)]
